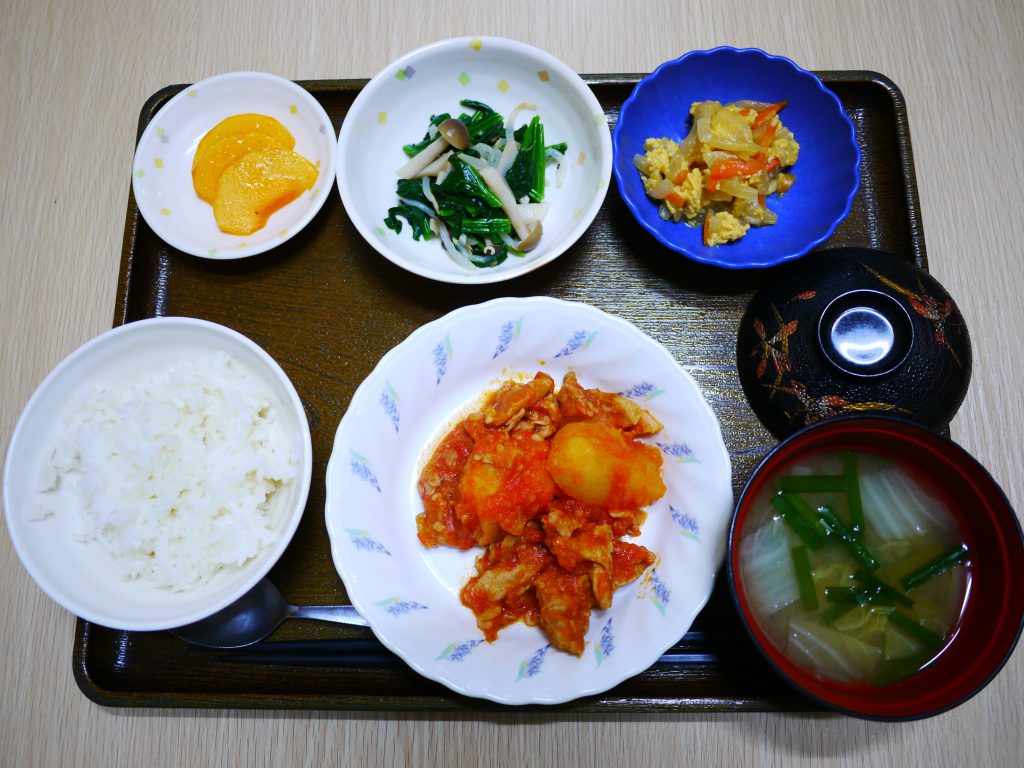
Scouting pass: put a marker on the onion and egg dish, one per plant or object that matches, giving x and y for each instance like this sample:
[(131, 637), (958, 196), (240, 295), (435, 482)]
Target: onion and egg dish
[(721, 174)]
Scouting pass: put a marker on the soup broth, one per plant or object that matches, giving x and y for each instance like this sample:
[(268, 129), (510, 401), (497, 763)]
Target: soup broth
[(855, 567)]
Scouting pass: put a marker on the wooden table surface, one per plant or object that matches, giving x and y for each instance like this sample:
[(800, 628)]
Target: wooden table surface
[(75, 78)]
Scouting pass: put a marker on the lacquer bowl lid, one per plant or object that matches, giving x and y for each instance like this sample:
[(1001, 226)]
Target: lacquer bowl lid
[(848, 331)]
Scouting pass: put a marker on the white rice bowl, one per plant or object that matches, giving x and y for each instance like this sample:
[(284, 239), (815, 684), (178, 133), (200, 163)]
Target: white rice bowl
[(157, 474)]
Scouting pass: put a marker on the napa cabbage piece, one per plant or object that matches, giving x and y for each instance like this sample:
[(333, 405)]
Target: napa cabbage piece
[(842, 656), (896, 507), (768, 576)]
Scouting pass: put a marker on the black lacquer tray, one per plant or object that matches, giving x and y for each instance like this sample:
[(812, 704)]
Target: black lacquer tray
[(327, 307)]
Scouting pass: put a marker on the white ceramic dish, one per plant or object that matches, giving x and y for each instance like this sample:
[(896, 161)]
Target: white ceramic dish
[(410, 594), (395, 107), (162, 169), (83, 578)]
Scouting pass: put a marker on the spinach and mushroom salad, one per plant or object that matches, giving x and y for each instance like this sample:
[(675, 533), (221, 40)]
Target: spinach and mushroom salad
[(477, 183)]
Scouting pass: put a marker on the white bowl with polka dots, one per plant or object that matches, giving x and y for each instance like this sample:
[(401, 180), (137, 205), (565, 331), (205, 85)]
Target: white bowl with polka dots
[(395, 107), (162, 169)]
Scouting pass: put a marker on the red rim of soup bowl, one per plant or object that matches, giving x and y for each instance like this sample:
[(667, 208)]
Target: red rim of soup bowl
[(992, 618)]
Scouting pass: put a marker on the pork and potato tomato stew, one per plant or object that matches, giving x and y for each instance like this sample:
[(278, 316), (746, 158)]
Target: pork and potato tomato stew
[(548, 482)]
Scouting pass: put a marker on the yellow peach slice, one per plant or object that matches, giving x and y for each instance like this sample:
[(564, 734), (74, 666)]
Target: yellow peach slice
[(246, 123), (261, 182), (211, 159)]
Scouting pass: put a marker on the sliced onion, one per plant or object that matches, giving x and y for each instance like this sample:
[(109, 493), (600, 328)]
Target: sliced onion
[(702, 114), (490, 155), (738, 189), (458, 256), (688, 145), (660, 192), (714, 156), (703, 126), (744, 103), (743, 147), (427, 193), (732, 126), (418, 205), (510, 123), (559, 158)]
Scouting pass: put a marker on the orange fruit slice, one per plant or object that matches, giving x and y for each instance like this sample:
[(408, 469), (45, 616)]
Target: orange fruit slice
[(259, 183), (246, 123), (211, 159)]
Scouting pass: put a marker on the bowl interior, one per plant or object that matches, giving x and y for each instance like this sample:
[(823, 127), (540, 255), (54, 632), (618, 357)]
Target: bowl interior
[(162, 169), (83, 578), (395, 108), (991, 622), (827, 171)]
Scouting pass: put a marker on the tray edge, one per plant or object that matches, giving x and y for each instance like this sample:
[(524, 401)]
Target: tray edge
[(792, 703)]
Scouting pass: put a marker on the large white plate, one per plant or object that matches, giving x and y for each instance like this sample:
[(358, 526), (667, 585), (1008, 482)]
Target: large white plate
[(410, 594)]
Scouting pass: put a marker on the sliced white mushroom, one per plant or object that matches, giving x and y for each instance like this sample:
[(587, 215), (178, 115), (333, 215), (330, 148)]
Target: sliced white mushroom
[(503, 192), (529, 242), (529, 232), (451, 132), (437, 167)]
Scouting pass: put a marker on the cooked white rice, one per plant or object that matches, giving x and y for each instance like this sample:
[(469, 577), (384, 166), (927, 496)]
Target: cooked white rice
[(175, 472)]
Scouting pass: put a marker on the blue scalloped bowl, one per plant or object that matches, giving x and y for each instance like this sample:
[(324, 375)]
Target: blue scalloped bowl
[(827, 171)]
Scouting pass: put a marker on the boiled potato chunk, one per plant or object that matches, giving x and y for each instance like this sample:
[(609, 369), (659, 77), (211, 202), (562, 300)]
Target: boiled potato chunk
[(594, 462), (242, 124), (261, 182), (213, 159)]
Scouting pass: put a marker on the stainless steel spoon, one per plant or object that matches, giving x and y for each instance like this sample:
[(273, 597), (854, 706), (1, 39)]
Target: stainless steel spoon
[(255, 615)]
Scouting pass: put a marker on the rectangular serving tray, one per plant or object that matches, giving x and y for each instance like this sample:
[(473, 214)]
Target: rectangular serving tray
[(327, 307)]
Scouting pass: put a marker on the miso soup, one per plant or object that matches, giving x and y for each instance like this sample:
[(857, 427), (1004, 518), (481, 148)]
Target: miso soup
[(855, 567)]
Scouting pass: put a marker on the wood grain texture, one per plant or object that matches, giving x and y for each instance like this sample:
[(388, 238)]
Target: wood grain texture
[(76, 78)]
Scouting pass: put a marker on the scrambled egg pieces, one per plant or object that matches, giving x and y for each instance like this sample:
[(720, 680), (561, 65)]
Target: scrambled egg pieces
[(723, 171)]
